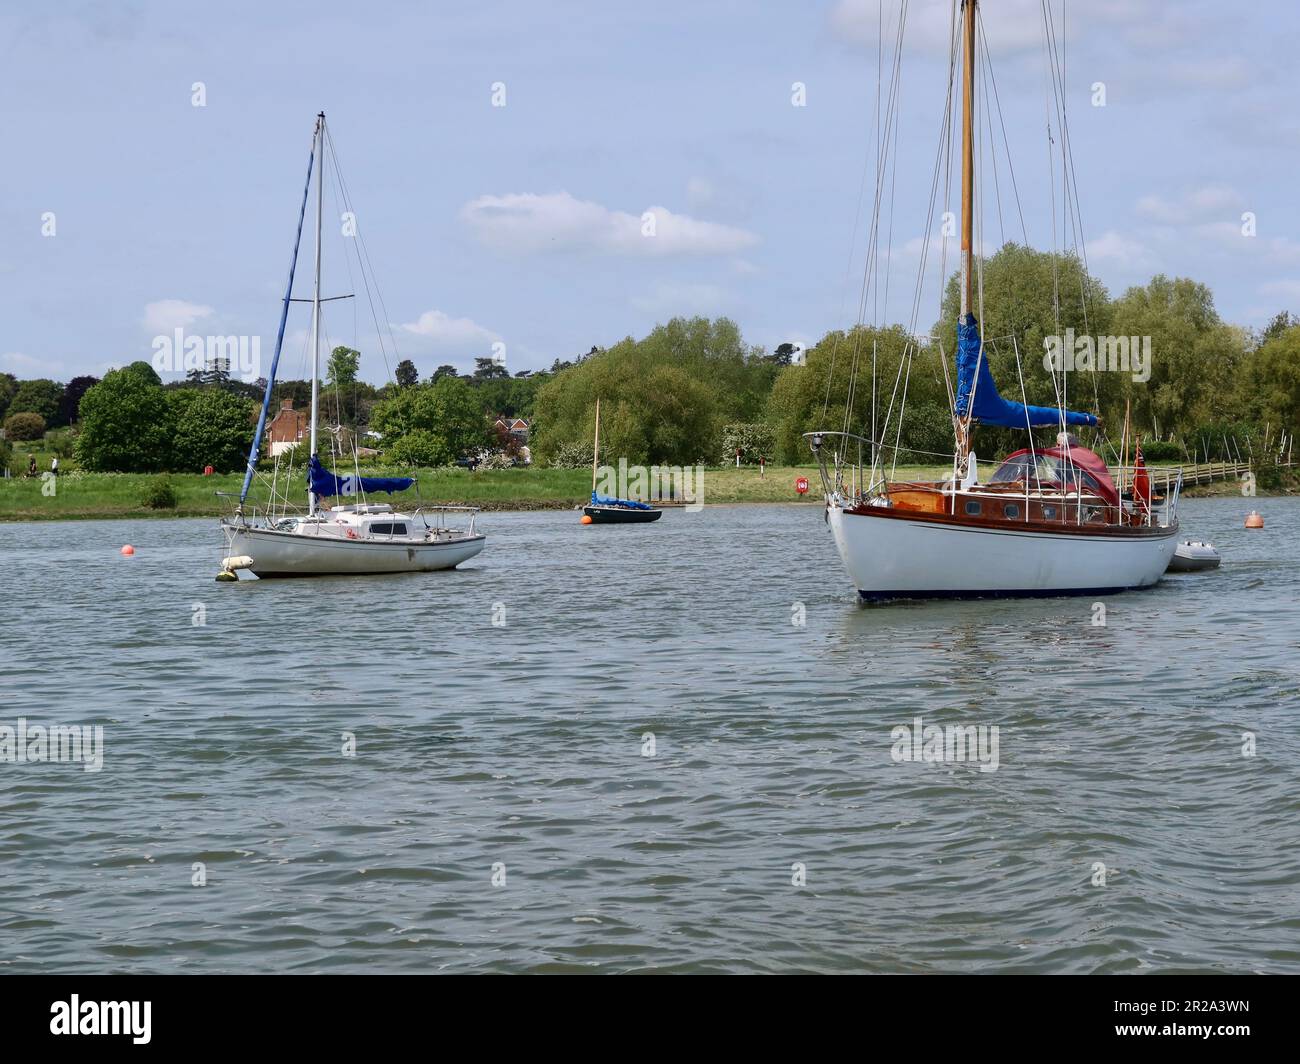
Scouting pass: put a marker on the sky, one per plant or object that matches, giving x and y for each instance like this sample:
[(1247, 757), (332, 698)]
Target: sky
[(126, 211)]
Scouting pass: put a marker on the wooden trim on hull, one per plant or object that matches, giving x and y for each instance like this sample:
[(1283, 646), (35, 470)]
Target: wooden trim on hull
[(1009, 526)]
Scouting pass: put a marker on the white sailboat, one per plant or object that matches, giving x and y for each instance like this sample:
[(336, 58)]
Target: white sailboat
[(355, 537), (1048, 521)]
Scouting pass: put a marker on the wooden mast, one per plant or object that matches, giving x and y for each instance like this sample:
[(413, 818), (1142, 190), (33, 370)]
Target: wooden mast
[(967, 155), (595, 451), (967, 193)]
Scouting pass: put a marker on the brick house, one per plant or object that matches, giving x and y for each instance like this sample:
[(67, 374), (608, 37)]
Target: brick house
[(289, 426)]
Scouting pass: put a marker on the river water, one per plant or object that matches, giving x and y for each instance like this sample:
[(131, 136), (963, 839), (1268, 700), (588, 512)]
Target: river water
[(615, 749)]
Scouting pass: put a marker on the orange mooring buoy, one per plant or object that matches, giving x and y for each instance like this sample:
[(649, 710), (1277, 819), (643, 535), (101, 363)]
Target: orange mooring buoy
[(128, 549), (1254, 520), (586, 519)]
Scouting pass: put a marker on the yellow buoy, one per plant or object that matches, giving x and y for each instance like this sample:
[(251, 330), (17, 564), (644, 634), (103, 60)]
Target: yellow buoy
[(128, 549), (586, 519), (1254, 520)]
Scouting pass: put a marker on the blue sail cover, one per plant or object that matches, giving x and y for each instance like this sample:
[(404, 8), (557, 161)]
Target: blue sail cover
[(601, 500), (989, 408), (322, 482)]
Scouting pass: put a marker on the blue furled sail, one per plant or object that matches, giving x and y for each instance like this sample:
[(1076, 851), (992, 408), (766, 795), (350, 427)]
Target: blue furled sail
[(601, 500), (279, 336), (977, 395), (322, 482)]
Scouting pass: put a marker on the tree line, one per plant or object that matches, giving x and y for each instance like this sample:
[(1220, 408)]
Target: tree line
[(694, 391)]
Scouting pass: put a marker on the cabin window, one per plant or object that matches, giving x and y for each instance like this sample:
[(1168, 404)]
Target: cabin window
[(1049, 513), (1011, 510), (972, 507), (387, 530)]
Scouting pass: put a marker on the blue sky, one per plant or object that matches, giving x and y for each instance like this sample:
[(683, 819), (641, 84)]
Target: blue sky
[(521, 224)]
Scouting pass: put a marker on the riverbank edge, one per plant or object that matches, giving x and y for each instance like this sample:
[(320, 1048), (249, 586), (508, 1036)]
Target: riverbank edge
[(1205, 491)]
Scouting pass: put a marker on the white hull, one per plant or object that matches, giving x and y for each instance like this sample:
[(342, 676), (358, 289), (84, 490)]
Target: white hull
[(891, 557), (278, 554)]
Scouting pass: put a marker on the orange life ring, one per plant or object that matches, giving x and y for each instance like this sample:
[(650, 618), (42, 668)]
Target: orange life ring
[(352, 533)]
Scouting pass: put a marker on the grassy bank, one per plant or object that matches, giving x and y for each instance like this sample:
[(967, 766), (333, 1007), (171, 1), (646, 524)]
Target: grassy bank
[(81, 495)]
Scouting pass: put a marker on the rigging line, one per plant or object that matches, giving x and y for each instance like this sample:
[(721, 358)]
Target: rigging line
[(898, 434), (848, 268), (997, 100), (1051, 170), (873, 242), (1071, 179), (942, 166), (367, 268), (993, 146), (893, 177), (338, 201)]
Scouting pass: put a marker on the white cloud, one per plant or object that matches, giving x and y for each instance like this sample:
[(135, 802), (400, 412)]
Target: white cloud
[(1123, 251), (442, 333), (168, 315), (529, 222), (1196, 205)]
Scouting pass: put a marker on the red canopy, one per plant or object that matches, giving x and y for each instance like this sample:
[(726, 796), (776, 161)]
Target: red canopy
[(1085, 459)]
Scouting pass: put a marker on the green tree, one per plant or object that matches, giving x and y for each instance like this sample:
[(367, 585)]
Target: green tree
[(24, 425), (344, 363), (38, 397), (70, 404), (1271, 381), (447, 409), (664, 399), (420, 448), (125, 423), (209, 427), (815, 395), (407, 375), (8, 387), (1195, 357), (488, 368)]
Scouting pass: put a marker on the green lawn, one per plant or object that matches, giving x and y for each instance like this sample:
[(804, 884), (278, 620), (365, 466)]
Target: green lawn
[(100, 495), (103, 495)]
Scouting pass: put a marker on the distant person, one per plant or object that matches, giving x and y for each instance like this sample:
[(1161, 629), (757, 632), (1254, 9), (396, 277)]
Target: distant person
[(54, 465), (762, 467), (31, 465)]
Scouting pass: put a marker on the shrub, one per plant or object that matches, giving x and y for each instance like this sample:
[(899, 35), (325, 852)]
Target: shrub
[(419, 448), (160, 495), (498, 460), (571, 455), (754, 440), (24, 426)]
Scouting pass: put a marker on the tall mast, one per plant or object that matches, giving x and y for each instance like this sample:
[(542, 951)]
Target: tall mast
[(963, 425), (967, 154), (315, 299), (595, 451)]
